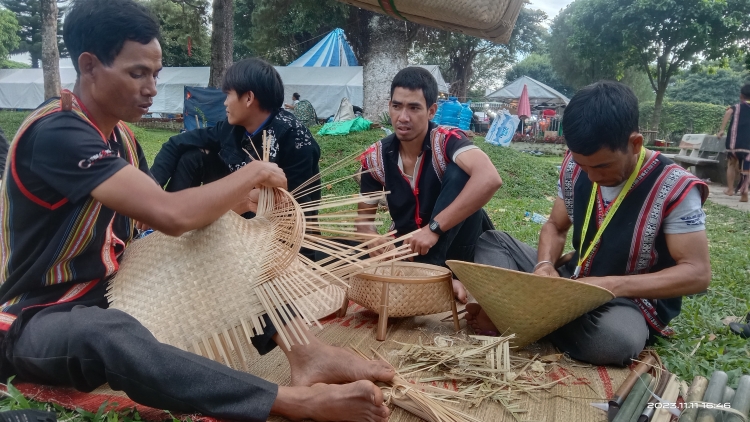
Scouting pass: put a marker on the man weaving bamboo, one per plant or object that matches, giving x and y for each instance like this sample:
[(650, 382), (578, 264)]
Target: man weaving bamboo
[(638, 231), (79, 179)]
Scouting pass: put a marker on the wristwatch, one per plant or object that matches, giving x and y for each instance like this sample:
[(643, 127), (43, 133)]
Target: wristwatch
[(435, 228)]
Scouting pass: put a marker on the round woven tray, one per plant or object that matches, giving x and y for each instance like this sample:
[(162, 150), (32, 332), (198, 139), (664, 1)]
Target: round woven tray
[(414, 289)]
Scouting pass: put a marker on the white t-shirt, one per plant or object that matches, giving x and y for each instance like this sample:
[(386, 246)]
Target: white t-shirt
[(686, 217)]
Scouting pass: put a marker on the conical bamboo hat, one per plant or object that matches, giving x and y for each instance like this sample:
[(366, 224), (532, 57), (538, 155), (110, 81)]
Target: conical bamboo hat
[(528, 305)]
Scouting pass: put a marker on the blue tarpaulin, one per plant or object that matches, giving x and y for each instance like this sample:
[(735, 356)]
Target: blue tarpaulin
[(333, 50), (203, 107)]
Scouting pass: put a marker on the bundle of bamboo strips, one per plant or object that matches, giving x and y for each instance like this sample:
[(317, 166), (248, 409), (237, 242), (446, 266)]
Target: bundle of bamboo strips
[(482, 367), (425, 401)]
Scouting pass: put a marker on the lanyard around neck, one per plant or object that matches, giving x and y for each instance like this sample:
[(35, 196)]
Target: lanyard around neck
[(610, 213)]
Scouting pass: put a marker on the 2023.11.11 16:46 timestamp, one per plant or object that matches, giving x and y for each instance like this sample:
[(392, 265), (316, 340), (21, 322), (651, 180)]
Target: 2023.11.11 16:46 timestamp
[(690, 405)]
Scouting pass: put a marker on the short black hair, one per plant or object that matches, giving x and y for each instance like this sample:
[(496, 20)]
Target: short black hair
[(256, 76), (603, 114), (745, 91), (414, 78), (101, 27), (295, 96)]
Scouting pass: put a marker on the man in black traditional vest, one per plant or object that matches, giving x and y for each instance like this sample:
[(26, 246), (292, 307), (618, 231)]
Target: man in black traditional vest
[(437, 178), (638, 231)]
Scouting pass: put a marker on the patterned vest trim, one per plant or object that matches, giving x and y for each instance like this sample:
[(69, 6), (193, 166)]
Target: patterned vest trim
[(372, 158), (660, 186)]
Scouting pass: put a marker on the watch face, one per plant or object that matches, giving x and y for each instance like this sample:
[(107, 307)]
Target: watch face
[(434, 225)]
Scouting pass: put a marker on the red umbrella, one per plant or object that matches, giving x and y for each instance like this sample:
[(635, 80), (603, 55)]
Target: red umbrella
[(524, 108)]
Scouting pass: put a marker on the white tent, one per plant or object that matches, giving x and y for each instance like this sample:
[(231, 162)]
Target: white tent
[(538, 92), (324, 87)]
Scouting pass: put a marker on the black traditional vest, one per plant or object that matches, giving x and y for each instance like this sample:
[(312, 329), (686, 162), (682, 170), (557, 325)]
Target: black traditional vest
[(411, 209), (634, 242)]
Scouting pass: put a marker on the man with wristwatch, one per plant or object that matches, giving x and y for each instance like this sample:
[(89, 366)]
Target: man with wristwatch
[(437, 178), (638, 230)]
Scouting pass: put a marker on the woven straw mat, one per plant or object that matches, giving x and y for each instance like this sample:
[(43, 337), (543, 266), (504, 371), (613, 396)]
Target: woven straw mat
[(427, 293), (528, 305), (566, 402), (489, 19)]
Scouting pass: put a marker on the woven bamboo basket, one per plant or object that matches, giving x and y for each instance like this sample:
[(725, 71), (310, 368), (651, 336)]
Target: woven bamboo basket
[(492, 20), (528, 305), (403, 289)]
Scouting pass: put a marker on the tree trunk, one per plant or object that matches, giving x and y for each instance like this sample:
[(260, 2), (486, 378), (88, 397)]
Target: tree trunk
[(383, 54), (50, 55), (222, 41), (463, 71), (662, 85)]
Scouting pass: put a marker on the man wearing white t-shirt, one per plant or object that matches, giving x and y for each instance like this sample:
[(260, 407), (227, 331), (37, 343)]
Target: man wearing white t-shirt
[(642, 235)]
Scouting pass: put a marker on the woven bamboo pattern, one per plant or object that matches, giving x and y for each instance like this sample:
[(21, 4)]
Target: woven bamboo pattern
[(209, 290), (528, 305), (415, 289), (492, 20)]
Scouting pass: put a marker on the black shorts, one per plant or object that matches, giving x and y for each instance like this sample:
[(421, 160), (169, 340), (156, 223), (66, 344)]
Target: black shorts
[(743, 158)]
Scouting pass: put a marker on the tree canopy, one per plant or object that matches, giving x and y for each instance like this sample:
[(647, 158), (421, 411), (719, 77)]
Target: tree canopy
[(281, 30), (470, 63), (184, 31), (28, 15), (539, 67), (658, 36), (9, 38)]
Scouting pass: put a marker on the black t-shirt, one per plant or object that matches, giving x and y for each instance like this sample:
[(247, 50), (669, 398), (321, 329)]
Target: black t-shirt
[(58, 242)]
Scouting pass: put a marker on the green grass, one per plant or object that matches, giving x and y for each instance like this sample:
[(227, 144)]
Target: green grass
[(10, 121), (530, 185)]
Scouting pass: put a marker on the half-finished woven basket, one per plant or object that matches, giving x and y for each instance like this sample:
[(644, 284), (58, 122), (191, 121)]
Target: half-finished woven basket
[(528, 305), (403, 289), (414, 289), (489, 19)]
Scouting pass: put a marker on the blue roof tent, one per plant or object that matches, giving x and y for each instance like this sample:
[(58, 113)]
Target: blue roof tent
[(332, 50)]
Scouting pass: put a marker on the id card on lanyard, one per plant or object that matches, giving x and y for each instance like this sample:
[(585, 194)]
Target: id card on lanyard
[(610, 213)]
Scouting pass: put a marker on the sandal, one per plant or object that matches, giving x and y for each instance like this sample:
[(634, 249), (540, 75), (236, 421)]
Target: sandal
[(742, 330)]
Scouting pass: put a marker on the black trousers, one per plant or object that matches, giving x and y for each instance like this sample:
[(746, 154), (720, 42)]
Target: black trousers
[(196, 167), (460, 241), (87, 346)]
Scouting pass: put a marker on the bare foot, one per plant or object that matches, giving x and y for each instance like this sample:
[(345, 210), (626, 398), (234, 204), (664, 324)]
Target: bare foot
[(459, 291), (322, 363), (728, 192), (358, 401), (478, 320)]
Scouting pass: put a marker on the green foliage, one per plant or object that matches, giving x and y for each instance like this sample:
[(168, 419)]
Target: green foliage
[(9, 38), (10, 64), (180, 21), (715, 86), (28, 14), (693, 350), (10, 121), (658, 36), (282, 30), (679, 118), (469, 63), (581, 62), (539, 67), (638, 81)]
